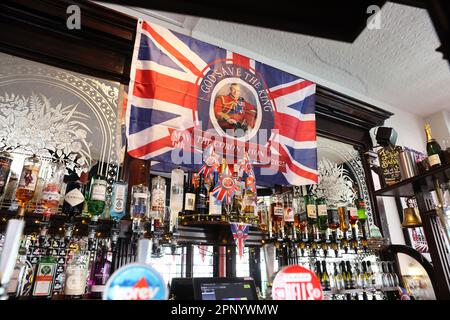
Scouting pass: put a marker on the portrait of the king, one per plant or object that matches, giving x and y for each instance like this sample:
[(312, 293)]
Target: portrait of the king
[(234, 113)]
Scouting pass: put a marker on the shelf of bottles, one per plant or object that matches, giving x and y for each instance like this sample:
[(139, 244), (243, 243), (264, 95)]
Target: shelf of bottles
[(304, 229)]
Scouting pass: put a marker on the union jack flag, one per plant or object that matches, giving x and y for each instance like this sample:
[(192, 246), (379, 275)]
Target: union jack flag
[(240, 234), (226, 186), (174, 81)]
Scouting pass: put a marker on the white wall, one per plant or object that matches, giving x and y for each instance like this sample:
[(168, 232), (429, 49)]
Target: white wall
[(440, 126)]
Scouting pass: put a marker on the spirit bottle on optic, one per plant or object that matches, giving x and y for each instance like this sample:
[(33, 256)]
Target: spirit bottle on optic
[(5, 166), (96, 203), (27, 182), (51, 192)]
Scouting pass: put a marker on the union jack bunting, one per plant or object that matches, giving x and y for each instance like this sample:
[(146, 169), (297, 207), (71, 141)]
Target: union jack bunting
[(210, 162), (240, 234), (226, 186), (186, 94)]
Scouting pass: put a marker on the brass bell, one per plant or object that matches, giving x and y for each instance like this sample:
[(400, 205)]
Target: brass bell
[(411, 218)]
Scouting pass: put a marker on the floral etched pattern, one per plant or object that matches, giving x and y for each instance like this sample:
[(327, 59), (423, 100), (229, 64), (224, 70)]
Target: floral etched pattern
[(34, 125)]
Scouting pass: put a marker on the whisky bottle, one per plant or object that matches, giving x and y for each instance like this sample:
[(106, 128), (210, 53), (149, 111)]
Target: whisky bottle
[(311, 211), (27, 182), (322, 218), (333, 225), (301, 217), (276, 211), (433, 148), (343, 226), (289, 217)]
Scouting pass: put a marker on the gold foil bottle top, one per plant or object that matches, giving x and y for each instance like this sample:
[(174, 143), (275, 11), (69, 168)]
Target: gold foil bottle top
[(427, 128)]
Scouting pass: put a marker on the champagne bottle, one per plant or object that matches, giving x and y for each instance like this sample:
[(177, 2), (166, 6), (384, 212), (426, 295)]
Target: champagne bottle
[(433, 148), (325, 279)]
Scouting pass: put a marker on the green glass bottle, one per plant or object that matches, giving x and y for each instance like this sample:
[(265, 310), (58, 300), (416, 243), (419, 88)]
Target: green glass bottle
[(433, 148), (44, 277), (322, 218), (96, 203), (311, 211)]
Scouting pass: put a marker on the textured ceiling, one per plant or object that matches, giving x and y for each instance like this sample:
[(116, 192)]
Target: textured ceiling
[(395, 66)]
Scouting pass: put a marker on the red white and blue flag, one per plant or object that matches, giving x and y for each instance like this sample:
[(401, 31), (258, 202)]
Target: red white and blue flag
[(226, 186), (186, 94), (240, 234)]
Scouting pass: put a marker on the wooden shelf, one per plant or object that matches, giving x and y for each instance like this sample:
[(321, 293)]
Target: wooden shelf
[(405, 188)]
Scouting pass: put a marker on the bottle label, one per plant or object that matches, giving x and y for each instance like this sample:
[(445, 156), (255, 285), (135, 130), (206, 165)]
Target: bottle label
[(288, 215), (140, 195), (434, 160), (50, 196), (119, 198), (44, 279), (201, 203), (215, 206), (75, 281), (278, 211), (74, 197), (322, 210), (158, 199), (98, 192), (311, 211), (353, 212), (189, 203), (97, 288), (28, 178)]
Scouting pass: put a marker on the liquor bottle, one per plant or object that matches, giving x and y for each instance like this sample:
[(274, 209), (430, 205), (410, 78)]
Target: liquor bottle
[(276, 211), (433, 148), (200, 198), (325, 279), (158, 201), (51, 192), (27, 182), (343, 226), (361, 207), (317, 271), (353, 219), (289, 217), (101, 272), (73, 199), (176, 196), (96, 203), (45, 277), (215, 206), (76, 275), (301, 217), (366, 276), (118, 200), (5, 166), (311, 211), (249, 200), (189, 196), (333, 225), (351, 277), (139, 205), (338, 278), (322, 218)]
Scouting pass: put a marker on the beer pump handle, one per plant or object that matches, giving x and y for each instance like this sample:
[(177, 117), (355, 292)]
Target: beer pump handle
[(9, 254)]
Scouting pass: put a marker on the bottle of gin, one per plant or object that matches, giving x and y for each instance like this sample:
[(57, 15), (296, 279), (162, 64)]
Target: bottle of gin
[(118, 200)]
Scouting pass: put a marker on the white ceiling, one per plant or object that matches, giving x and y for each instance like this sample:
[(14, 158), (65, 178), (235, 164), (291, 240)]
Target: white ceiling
[(395, 66)]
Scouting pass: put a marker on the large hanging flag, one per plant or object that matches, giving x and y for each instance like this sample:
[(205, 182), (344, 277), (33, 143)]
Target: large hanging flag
[(186, 94)]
